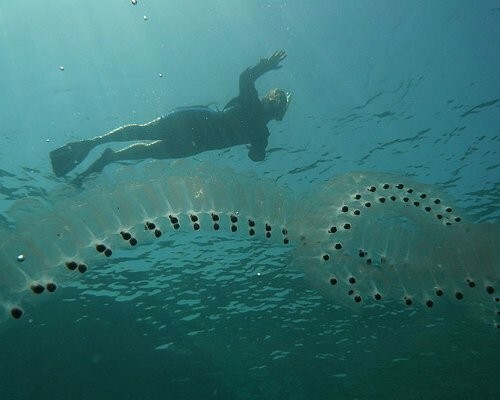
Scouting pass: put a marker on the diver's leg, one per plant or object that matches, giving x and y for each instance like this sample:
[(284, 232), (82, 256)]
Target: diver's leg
[(130, 133), (67, 157), (138, 151)]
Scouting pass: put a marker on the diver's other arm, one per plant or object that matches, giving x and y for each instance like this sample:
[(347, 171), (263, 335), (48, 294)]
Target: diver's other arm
[(257, 151)]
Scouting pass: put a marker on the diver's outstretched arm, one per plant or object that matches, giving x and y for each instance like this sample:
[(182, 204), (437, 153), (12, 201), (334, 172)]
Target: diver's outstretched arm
[(251, 74)]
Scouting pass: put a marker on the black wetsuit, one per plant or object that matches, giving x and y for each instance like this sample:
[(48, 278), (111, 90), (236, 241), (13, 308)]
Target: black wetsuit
[(192, 130)]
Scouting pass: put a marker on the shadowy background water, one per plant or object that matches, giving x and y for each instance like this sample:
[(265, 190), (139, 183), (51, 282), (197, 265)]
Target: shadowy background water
[(392, 86)]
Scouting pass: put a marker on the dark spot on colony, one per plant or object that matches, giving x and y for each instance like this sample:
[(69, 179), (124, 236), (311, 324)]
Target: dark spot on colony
[(393, 198), (352, 280), (194, 218), (37, 289), (350, 292), (368, 204), (377, 296), (284, 231), (490, 289), (471, 283), (215, 217), (71, 265), (429, 303), (100, 248), (82, 268), (448, 209), (338, 246), (108, 252), (400, 186), (345, 208), (174, 221), (125, 235), (361, 253), (439, 216), (268, 228), (157, 233), (251, 232), (406, 199), (410, 190), (268, 235), (333, 229), (286, 241), (416, 203), (150, 226), (459, 295), (347, 226), (408, 301), (16, 313), (386, 186), (369, 261), (333, 281), (423, 195), (234, 228), (216, 227), (51, 287), (234, 218), (427, 209), (196, 226), (326, 257), (356, 212), (437, 201), (372, 189), (357, 196), (251, 223), (357, 299), (439, 292), (458, 219), (381, 199), (176, 226), (133, 241)]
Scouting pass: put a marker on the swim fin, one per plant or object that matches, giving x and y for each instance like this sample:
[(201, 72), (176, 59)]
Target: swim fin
[(66, 158)]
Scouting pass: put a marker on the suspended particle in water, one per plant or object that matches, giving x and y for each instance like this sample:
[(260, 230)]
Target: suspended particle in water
[(145, 18), (61, 68), (160, 75), (134, 2), (21, 258)]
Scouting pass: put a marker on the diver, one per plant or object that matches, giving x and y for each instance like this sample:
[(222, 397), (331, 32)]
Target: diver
[(190, 130)]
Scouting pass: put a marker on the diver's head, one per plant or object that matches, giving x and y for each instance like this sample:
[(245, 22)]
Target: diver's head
[(275, 102)]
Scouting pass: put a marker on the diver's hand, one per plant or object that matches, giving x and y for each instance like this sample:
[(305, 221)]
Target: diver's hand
[(273, 62)]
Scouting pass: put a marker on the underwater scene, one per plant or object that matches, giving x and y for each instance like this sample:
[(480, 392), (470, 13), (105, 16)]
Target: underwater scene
[(215, 199)]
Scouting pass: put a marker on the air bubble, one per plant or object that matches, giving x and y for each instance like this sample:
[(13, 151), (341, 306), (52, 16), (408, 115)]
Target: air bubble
[(21, 258)]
